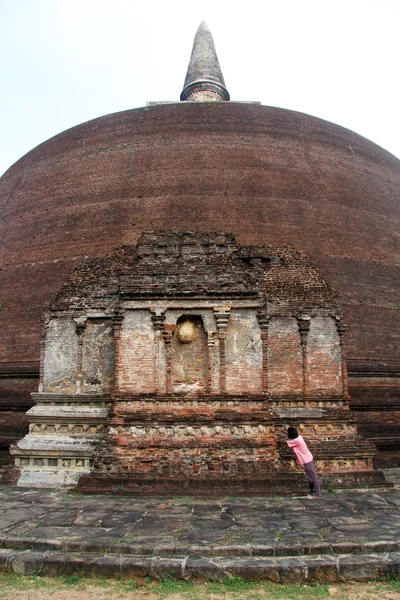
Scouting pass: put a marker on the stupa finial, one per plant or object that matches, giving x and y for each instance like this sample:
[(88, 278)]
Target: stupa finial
[(204, 80)]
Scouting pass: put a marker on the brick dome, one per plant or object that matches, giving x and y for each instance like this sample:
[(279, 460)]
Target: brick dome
[(266, 174)]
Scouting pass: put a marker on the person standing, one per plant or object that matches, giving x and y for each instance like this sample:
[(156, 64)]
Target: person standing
[(305, 459)]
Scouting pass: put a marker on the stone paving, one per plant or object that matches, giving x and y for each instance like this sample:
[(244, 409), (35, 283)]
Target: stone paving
[(348, 535)]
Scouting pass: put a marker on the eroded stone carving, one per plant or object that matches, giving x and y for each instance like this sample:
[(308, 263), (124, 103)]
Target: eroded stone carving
[(181, 360), (186, 331)]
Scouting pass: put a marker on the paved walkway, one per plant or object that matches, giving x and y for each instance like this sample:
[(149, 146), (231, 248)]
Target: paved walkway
[(349, 535)]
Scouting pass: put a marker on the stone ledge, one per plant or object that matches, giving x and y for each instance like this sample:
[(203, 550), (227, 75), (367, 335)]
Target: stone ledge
[(236, 551), (61, 398), (321, 568), (268, 484)]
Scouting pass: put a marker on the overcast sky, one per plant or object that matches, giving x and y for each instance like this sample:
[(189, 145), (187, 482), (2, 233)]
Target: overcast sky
[(64, 62)]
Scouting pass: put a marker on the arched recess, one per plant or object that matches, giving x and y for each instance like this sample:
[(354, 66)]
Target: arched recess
[(189, 355)]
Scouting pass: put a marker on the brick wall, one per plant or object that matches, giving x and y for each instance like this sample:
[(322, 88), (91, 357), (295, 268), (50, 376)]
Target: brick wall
[(324, 358), (136, 373), (285, 367), (230, 351)]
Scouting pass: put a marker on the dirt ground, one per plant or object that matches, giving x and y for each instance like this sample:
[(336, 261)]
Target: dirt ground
[(40, 588)]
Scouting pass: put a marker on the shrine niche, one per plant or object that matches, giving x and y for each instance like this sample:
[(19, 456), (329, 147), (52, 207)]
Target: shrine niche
[(177, 364), (189, 360)]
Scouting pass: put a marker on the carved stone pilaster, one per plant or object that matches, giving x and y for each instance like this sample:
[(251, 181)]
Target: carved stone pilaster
[(42, 348), (80, 326), (222, 314), (303, 322), (341, 329), (117, 327), (157, 318), (210, 359), (168, 332), (263, 320)]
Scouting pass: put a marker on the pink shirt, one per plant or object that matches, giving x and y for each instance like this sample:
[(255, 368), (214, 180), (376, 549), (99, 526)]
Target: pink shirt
[(303, 455)]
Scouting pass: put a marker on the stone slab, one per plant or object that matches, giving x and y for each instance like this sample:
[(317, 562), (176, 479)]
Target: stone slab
[(281, 570), (281, 538)]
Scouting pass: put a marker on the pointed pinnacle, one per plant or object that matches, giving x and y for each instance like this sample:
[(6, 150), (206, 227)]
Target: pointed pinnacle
[(204, 79)]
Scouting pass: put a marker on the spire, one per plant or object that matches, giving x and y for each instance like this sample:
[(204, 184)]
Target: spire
[(204, 80)]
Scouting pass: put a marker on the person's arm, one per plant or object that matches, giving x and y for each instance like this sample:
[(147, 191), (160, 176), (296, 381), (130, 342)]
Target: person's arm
[(292, 443)]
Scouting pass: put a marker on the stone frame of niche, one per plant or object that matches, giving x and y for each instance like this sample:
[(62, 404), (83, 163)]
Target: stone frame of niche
[(171, 317)]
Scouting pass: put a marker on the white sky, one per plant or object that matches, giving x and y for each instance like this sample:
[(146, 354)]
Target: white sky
[(64, 62)]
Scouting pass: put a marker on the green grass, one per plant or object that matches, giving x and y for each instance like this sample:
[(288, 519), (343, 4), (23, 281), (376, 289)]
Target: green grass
[(72, 579), (128, 539), (169, 586), (20, 582), (185, 500), (235, 588), (74, 494)]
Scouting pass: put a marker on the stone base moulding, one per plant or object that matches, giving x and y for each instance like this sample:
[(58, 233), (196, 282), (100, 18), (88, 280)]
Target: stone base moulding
[(64, 434), (172, 444)]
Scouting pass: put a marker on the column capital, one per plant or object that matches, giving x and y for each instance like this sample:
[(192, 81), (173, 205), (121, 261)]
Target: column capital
[(222, 314), (158, 318), (263, 318), (303, 322), (118, 317), (80, 325), (340, 326)]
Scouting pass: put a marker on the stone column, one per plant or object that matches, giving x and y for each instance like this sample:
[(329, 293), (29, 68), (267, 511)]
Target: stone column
[(167, 335), (210, 360), (42, 348), (158, 318), (303, 322), (80, 325), (341, 328), (263, 320), (117, 327), (222, 314)]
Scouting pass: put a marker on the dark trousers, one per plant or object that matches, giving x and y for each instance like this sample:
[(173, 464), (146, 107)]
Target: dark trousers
[(313, 478)]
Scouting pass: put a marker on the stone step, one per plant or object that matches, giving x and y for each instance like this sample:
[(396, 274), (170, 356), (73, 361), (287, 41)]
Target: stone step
[(300, 569), (180, 549), (393, 476), (241, 484)]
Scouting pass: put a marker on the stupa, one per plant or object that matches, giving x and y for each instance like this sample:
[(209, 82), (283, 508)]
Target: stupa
[(277, 181)]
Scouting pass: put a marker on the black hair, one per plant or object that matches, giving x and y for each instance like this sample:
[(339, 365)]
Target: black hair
[(292, 433)]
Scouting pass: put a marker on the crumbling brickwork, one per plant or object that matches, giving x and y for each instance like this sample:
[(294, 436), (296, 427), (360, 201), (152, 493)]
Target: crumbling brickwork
[(181, 360), (270, 175)]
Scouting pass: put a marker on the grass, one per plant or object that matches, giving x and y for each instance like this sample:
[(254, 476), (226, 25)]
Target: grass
[(72, 579), (78, 587), (74, 494), (128, 539), (182, 501)]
